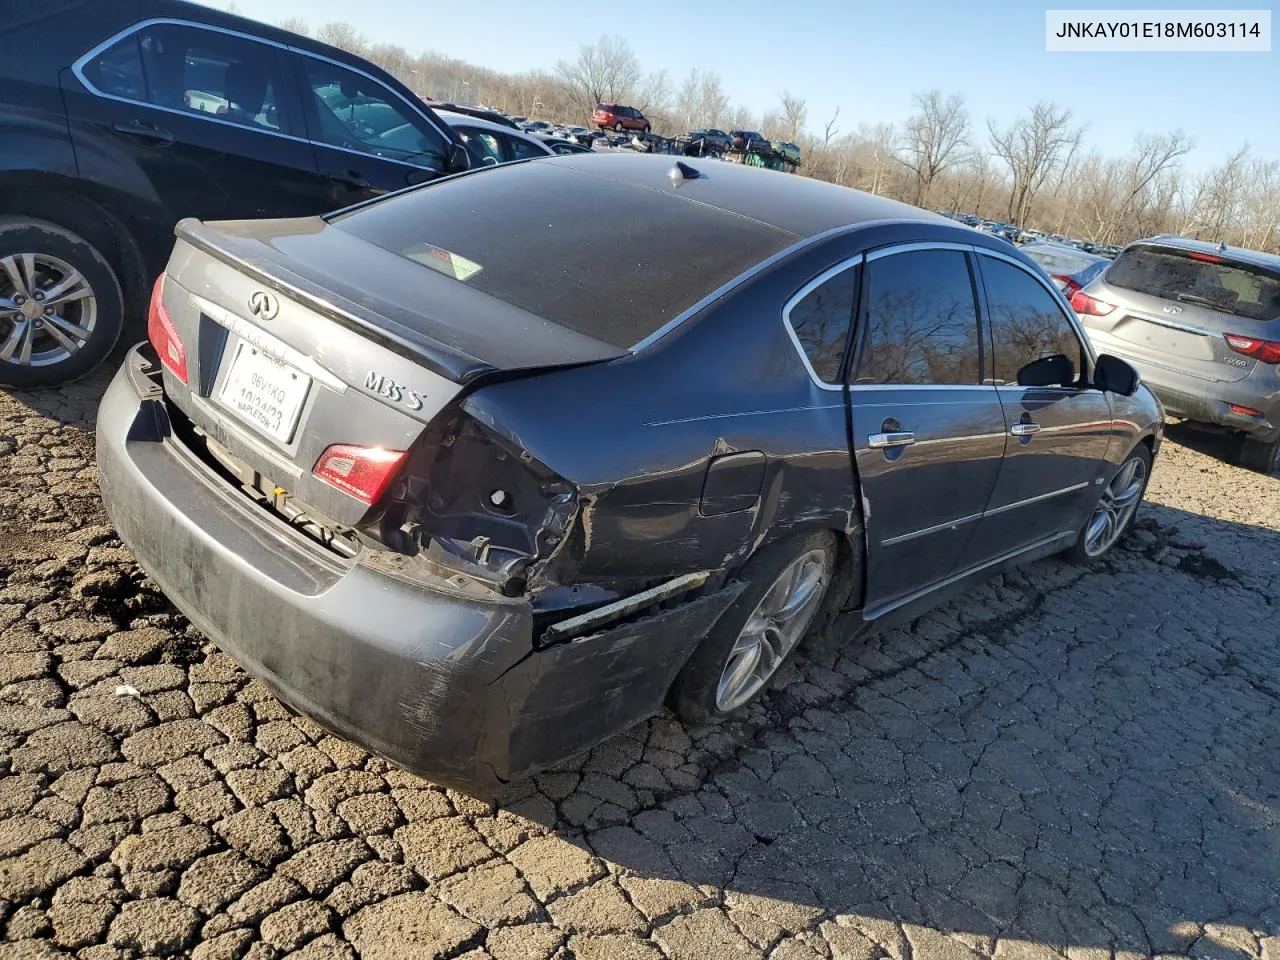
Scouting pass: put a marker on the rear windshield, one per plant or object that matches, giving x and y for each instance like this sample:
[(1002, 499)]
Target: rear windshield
[(1187, 277), (609, 260)]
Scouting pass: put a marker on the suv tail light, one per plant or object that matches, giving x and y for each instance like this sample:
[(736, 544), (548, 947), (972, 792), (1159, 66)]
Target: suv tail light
[(1082, 303), (363, 472), (1069, 286), (164, 335), (1268, 351)]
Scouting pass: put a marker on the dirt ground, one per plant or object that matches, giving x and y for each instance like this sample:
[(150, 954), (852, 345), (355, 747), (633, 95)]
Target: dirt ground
[(1068, 762)]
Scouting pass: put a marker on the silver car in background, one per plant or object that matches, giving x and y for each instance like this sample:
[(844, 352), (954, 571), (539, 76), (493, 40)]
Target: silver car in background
[(1201, 322)]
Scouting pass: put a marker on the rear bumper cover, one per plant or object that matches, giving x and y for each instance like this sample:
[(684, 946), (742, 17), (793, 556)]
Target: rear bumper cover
[(446, 686)]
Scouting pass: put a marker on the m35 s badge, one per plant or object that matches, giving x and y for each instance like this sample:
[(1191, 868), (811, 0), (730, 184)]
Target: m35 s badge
[(397, 392)]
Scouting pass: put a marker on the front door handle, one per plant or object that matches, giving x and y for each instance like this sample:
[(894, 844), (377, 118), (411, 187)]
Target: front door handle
[(899, 438), (351, 179), (1024, 429), (143, 131)]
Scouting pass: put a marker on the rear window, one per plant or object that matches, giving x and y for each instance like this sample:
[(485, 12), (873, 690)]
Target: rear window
[(532, 234), (1235, 288)]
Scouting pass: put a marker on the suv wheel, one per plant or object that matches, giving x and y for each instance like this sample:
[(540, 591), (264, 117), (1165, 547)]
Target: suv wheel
[(618, 126), (61, 309), (1261, 456), (786, 585), (645, 128)]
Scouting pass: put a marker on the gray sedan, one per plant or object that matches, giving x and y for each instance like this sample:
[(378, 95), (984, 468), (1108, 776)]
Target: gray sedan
[(476, 478)]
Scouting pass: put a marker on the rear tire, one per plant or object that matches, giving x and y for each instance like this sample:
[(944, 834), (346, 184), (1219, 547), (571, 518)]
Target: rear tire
[(787, 583), (644, 129), (1261, 456), (618, 126), (83, 306), (1117, 506)]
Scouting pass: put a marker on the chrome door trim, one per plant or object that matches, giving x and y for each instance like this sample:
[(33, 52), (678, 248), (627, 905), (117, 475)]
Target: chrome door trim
[(875, 613), (77, 68), (1171, 324), (918, 245), (926, 531), (1030, 500)]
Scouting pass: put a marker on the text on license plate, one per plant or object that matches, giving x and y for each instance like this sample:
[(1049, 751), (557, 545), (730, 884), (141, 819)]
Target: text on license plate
[(264, 392)]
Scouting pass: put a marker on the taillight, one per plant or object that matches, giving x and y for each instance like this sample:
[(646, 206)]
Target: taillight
[(1083, 303), (1245, 411), (363, 472), (1268, 351), (164, 335), (1067, 285)]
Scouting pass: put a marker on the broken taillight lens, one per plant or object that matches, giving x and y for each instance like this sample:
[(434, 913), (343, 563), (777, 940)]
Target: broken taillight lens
[(363, 472), (1268, 351), (1084, 304), (164, 335)]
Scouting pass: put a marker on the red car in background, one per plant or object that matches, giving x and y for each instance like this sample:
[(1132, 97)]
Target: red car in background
[(614, 116)]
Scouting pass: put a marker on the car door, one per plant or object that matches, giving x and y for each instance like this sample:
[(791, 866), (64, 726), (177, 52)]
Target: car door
[(1058, 435), (367, 138), (928, 433), (200, 118)]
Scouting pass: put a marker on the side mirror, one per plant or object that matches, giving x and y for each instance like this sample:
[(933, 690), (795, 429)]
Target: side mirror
[(1053, 371), (1115, 376), (457, 159)]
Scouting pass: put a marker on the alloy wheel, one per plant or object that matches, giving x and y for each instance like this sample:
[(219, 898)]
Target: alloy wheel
[(47, 309), (1116, 507), (775, 626)]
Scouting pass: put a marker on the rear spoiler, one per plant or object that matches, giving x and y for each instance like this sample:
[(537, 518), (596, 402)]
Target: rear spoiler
[(278, 273)]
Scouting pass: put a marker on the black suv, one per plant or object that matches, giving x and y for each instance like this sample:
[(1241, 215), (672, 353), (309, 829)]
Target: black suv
[(120, 117)]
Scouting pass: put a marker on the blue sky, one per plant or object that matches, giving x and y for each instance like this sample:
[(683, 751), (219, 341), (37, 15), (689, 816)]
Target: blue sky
[(866, 58)]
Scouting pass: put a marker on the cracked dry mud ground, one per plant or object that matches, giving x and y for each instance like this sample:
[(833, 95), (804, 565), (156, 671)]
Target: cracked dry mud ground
[(1066, 762)]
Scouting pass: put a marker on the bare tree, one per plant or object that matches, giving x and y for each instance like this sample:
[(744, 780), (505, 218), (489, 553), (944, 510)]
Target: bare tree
[(607, 72), (794, 114), (701, 101), (295, 25), (339, 33), (1034, 147), (934, 138)]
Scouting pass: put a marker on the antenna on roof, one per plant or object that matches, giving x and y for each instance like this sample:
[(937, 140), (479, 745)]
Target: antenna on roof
[(1222, 246), (682, 172)]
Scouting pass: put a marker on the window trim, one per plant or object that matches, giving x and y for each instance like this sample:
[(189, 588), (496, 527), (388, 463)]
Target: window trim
[(1055, 295), (77, 68), (979, 309), (850, 263)]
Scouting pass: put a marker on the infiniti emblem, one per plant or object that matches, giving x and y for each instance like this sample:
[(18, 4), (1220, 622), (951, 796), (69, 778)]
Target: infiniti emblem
[(263, 305), (1172, 309)]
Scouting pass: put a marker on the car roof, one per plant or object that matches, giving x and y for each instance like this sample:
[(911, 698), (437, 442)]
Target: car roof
[(799, 205), (1063, 249), (456, 120), (1268, 261)]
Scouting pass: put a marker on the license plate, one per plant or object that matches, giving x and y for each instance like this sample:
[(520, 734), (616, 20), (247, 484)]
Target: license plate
[(264, 392)]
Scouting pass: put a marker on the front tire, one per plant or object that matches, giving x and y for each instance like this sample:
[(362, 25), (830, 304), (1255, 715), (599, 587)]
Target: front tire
[(644, 129), (1261, 456), (618, 127), (1116, 507), (61, 306), (787, 583)]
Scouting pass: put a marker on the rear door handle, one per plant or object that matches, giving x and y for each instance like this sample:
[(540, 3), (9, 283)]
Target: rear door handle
[(1024, 429), (143, 131), (349, 178), (900, 438)]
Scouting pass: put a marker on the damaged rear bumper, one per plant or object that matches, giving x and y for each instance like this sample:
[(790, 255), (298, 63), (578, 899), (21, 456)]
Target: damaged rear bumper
[(448, 686)]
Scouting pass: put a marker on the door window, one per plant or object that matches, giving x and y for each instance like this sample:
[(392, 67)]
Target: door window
[(193, 70), (821, 321), (523, 149), (357, 113), (1026, 321), (483, 145), (921, 324)]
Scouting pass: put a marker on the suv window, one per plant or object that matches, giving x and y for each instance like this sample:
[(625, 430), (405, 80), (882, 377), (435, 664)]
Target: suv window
[(193, 70), (921, 323), (358, 113), (1026, 321), (1205, 280), (821, 321)]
